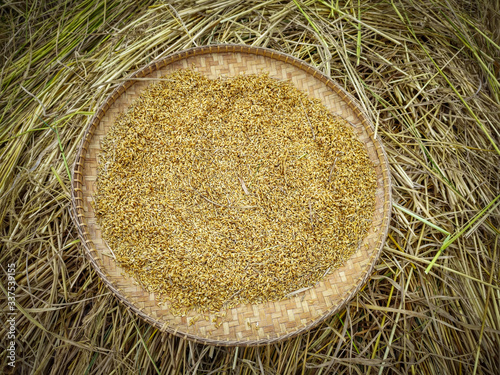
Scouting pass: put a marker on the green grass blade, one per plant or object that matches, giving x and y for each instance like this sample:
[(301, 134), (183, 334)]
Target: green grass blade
[(457, 235), (420, 218)]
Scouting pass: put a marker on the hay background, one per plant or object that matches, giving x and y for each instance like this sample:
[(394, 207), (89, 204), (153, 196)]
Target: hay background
[(428, 72)]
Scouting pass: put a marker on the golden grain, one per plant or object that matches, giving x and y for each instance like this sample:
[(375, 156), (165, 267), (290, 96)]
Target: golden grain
[(213, 193)]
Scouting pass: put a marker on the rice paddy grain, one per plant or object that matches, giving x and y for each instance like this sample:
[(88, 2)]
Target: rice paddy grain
[(216, 192)]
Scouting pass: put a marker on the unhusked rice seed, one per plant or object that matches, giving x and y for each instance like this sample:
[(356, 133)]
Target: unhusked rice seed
[(213, 193)]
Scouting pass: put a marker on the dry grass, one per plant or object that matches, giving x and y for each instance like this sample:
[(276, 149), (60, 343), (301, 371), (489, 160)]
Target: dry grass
[(427, 71)]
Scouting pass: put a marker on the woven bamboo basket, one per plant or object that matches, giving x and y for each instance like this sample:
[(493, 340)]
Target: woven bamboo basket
[(248, 324)]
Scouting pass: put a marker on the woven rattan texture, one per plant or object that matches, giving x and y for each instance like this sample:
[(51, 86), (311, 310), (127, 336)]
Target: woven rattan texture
[(249, 324)]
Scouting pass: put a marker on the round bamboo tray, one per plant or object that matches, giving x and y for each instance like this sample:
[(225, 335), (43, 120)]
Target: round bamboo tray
[(246, 324)]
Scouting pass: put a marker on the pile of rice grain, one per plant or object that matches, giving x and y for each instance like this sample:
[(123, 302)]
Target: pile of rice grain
[(212, 193)]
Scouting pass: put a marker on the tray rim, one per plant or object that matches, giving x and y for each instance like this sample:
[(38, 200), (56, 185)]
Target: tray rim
[(76, 208)]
